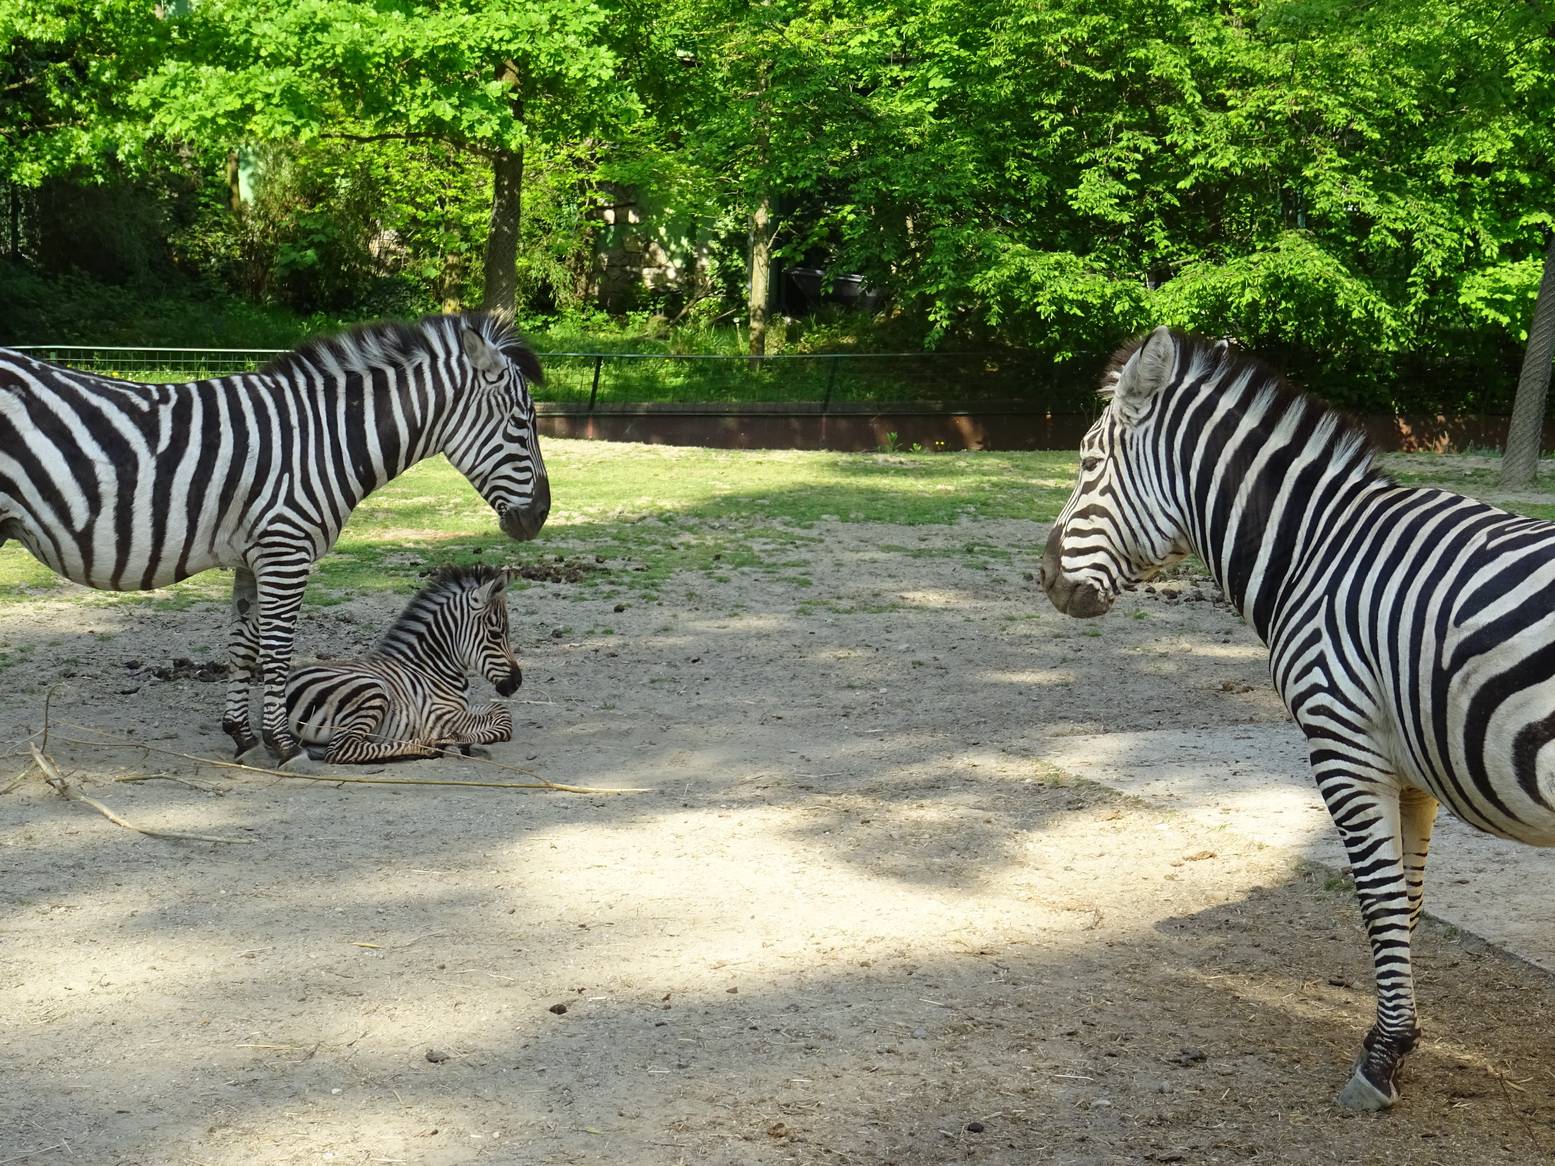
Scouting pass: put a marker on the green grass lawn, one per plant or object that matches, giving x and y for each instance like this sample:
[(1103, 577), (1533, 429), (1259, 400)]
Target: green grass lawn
[(653, 510), (728, 509)]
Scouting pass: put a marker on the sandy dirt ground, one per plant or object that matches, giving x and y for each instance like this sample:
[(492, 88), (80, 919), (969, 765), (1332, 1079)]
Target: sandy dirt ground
[(854, 922)]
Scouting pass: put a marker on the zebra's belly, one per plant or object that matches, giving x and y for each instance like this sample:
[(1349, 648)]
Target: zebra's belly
[(94, 558)]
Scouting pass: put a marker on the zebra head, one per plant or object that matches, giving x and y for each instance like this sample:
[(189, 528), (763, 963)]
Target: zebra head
[(487, 638), (1120, 525), (496, 445)]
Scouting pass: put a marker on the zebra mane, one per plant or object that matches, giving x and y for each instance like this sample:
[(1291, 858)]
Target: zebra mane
[(441, 582), (1232, 369), (398, 344)]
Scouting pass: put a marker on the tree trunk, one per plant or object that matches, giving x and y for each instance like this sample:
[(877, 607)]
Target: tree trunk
[(234, 182), (507, 206), (761, 274), (1521, 461)]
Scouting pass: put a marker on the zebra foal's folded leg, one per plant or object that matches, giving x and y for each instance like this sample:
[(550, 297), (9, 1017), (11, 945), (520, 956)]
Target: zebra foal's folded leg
[(346, 710), (486, 727), (242, 653), (1365, 803)]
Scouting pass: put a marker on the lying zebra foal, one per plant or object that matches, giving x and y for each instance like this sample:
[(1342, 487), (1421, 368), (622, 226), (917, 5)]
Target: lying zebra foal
[(409, 696)]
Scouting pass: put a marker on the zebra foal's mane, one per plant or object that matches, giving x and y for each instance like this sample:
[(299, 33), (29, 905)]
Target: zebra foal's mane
[(1233, 370), (397, 344), (442, 582)]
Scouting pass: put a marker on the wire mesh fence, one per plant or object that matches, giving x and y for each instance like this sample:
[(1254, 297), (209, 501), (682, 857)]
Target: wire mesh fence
[(587, 382)]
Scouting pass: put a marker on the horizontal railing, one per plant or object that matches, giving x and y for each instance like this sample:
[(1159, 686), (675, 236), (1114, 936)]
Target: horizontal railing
[(586, 382)]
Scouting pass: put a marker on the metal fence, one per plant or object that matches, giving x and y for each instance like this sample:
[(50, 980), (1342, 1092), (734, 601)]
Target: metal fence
[(589, 382)]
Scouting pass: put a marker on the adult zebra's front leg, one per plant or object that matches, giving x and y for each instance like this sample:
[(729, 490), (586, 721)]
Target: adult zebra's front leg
[(242, 655), (1364, 799), (280, 585)]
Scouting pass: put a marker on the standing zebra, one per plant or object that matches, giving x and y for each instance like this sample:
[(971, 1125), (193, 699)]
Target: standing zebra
[(1411, 631), (129, 486), (410, 696)]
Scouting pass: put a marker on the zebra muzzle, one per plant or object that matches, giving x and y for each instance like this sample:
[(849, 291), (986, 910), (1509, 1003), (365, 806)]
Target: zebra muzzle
[(508, 685), (523, 522), (1076, 597)]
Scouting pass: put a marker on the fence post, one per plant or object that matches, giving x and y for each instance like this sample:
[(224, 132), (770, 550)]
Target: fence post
[(599, 363), (831, 381)]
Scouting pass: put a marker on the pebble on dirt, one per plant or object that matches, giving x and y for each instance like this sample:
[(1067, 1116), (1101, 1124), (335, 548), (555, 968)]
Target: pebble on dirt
[(436, 1056), (559, 1009)]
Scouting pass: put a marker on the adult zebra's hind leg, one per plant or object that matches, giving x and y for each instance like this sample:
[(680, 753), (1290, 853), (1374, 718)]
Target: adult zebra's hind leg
[(242, 655), (1417, 816), (1364, 800)]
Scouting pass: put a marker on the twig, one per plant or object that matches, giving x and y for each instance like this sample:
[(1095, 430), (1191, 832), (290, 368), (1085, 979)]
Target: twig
[(19, 778), (332, 778), (199, 785), (57, 780), (32, 1153)]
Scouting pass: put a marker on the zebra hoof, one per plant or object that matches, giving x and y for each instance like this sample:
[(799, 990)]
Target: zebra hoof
[(301, 763), (1360, 1096), (255, 755)]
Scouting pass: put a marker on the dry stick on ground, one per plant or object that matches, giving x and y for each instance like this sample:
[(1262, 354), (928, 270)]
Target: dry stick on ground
[(203, 787), (57, 780), (330, 778), (19, 778)]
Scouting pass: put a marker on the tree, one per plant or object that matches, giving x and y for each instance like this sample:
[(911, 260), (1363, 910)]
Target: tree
[(1525, 435), (65, 72), (484, 76)]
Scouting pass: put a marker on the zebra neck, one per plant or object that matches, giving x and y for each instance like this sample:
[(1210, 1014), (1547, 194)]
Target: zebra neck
[(406, 647), (1263, 499), (383, 423)]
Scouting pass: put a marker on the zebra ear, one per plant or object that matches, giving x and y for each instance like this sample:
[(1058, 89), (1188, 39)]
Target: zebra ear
[(481, 352), (1144, 373), (489, 591)]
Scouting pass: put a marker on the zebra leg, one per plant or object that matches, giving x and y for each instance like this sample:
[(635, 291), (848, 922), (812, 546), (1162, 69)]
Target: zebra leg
[(1418, 815), (280, 597), (1364, 802), (242, 652), (494, 723), (355, 744)]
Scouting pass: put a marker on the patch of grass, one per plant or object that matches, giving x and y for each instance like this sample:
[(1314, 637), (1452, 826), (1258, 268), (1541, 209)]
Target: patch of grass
[(648, 511)]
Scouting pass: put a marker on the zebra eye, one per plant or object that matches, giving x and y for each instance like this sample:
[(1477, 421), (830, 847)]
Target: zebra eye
[(1090, 463)]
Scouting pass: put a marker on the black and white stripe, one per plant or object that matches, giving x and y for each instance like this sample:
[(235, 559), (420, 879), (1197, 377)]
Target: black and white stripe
[(130, 486), (409, 697), (1411, 631)]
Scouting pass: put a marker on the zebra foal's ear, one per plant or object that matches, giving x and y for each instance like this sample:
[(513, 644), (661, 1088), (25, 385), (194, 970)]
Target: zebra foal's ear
[(1145, 372), (481, 352)]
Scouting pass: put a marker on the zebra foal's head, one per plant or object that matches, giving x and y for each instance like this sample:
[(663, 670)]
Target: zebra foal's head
[(497, 446), (1119, 525), (461, 617)]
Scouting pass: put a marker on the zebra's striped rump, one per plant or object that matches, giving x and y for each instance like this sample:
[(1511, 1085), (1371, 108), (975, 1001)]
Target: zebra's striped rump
[(133, 486), (409, 697), (1411, 631)]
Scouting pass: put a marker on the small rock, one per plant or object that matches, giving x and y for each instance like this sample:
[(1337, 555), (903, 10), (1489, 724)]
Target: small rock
[(974, 1127), (620, 607), (559, 1009), (1188, 1055), (436, 1056), (920, 1034)]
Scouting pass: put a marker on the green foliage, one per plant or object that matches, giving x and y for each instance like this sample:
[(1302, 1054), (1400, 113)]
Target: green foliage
[(1357, 190)]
